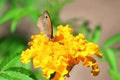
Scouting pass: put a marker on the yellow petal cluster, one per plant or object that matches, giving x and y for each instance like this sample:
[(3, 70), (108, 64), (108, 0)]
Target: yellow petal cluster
[(59, 55)]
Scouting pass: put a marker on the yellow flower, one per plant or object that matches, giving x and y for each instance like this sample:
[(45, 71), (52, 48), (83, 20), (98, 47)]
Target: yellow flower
[(59, 55)]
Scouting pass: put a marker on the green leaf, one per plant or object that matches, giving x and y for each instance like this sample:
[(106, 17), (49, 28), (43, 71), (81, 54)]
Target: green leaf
[(29, 3), (22, 13), (111, 41), (17, 75), (10, 45), (114, 75), (35, 15), (84, 27), (23, 71), (2, 78), (13, 60), (9, 14), (13, 25), (16, 19), (88, 34), (96, 34), (7, 77), (109, 54)]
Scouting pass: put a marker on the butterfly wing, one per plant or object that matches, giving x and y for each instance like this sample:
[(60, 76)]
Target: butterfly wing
[(45, 25)]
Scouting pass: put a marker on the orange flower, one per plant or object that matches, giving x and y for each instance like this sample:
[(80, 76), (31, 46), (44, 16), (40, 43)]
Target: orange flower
[(59, 55)]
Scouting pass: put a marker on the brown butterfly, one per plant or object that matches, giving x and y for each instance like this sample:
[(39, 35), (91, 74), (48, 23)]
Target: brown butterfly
[(45, 25)]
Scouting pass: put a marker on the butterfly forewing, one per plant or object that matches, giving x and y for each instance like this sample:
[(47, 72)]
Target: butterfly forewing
[(45, 25)]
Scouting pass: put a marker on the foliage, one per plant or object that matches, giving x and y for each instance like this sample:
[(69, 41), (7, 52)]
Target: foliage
[(11, 67), (12, 45), (20, 8)]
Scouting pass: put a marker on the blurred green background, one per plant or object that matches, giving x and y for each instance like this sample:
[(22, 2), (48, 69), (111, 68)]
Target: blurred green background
[(97, 20)]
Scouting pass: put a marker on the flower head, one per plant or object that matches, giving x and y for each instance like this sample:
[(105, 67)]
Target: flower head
[(59, 55)]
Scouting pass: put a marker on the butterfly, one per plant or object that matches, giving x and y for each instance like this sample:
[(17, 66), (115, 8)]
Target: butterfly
[(45, 25)]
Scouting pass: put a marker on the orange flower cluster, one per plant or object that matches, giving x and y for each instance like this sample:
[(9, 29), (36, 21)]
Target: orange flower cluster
[(59, 55)]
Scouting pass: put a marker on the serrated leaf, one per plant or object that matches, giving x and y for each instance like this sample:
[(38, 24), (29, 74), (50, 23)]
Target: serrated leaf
[(112, 40), (96, 34), (12, 60), (17, 75), (23, 71), (109, 54)]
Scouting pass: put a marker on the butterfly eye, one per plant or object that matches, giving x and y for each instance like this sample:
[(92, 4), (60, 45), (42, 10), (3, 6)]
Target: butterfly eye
[(46, 16)]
